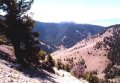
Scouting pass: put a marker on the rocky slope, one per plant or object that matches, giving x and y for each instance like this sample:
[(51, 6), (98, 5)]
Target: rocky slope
[(11, 72)]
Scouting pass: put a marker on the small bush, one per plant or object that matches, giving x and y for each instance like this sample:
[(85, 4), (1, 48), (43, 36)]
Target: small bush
[(50, 60), (67, 67), (2, 41), (98, 45), (91, 77), (42, 55), (73, 73), (58, 64)]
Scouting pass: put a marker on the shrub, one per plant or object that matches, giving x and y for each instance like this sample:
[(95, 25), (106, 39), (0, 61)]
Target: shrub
[(91, 77), (78, 71), (73, 73), (98, 45), (50, 60), (42, 55), (58, 64), (113, 42), (2, 41), (67, 67)]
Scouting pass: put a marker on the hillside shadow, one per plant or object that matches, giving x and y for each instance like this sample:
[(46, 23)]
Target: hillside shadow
[(32, 73)]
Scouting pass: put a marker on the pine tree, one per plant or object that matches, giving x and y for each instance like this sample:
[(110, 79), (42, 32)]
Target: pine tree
[(18, 26), (50, 60)]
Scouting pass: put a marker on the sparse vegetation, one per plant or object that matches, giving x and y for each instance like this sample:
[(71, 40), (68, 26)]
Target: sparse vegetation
[(91, 77), (98, 45), (67, 67), (58, 64), (18, 28), (50, 60), (79, 69), (2, 41), (113, 53), (42, 55)]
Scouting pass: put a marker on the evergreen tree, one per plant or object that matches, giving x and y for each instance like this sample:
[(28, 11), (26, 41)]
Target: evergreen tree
[(50, 60), (18, 26)]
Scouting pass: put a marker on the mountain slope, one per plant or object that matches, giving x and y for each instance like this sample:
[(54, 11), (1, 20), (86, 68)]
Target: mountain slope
[(11, 72), (93, 51), (64, 34)]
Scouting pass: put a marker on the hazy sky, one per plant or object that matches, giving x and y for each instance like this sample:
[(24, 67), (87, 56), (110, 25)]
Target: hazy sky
[(100, 12)]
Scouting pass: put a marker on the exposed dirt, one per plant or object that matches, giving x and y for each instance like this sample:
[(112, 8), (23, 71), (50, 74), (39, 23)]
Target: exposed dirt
[(11, 72)]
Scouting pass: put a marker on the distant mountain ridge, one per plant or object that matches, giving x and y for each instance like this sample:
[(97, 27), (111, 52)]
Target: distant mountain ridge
[(64, 34)]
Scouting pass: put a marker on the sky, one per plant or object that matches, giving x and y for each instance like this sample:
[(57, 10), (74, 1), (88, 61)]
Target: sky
[(98, 12)]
